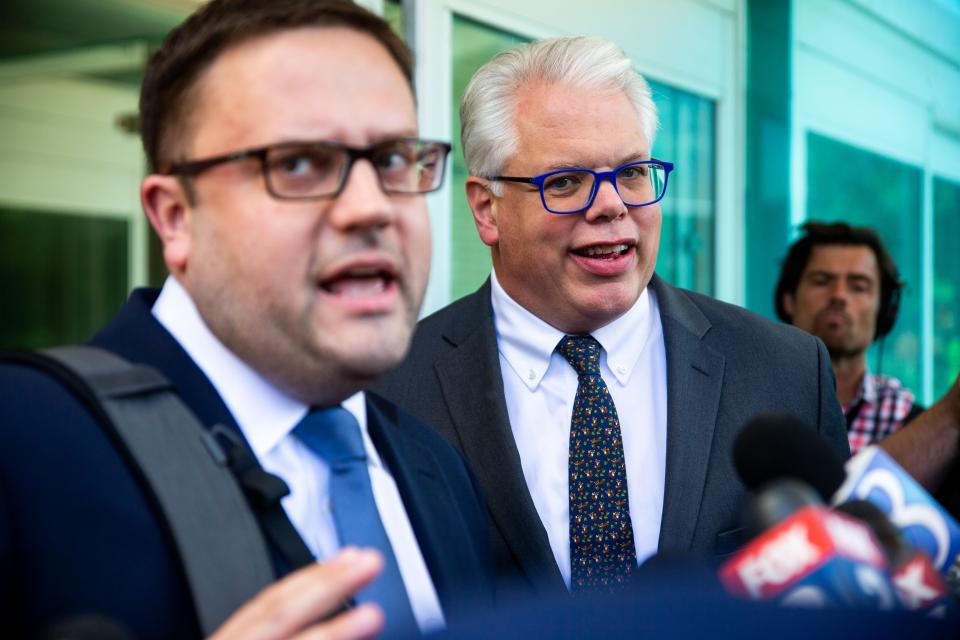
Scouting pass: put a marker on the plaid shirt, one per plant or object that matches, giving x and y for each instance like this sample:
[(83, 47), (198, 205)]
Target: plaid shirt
[(883, 404)]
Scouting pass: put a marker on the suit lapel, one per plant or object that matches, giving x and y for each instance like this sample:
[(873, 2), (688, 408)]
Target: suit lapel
[(694, 380), (426, 497), (472, 386), (137, 336)]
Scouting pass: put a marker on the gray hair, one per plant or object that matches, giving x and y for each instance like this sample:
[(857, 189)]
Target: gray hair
[(487, 130)]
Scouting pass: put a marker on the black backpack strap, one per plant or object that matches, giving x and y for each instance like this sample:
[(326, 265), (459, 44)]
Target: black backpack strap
[(264, 492), (220, 544)]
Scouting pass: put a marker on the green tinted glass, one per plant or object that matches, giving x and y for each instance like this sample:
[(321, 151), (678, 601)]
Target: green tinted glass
[(61, 276), (686, 138), (946, 284), (473, 45), (845, 183)]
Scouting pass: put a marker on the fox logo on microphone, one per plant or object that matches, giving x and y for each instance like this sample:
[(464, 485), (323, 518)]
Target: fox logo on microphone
[(814, 558)]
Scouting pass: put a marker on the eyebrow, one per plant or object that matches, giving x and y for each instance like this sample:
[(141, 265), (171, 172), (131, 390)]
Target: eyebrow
[(833, 274), (633, 157), (336, 137)]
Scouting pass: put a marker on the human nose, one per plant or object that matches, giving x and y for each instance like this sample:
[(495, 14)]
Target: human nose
[(607, 203), (839, 292), (362, 202)]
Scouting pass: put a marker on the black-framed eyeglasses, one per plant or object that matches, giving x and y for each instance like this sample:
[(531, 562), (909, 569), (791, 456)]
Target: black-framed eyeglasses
[(573, 190), (313, 170)]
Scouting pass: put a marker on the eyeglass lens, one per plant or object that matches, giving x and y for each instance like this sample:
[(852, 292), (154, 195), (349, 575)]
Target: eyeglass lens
[(311, 170), (637, 184)]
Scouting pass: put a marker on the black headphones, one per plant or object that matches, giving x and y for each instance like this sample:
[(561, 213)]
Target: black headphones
[(889, 305)]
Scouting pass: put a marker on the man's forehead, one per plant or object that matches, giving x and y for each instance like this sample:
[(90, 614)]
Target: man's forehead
[(570, 126), (844, 260), (588, 159), (308, 83)]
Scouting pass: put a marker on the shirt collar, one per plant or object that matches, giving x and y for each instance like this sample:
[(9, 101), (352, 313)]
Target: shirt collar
[(625, 338), (527, 342), (264, 414)]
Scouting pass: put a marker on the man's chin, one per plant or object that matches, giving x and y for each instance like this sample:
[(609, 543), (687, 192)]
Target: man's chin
[(845, 351), (371, 360)]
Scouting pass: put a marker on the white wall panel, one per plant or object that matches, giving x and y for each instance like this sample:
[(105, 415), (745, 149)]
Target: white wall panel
[(61, 150), (865, 74)]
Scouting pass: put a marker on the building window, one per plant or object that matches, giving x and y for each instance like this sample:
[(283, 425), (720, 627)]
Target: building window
[(687, 130), (849, 184), (393, 14), (946, 284), (474, 44), (61, 276)]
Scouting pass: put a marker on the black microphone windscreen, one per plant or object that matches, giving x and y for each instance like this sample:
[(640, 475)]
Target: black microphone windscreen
[(775, 502), (779, 445)]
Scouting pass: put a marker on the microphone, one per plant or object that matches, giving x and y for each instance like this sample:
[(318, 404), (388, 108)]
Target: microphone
[(813, 558), (918, 585), (778, 445), (775, 445), (776, 501), (874, 476)]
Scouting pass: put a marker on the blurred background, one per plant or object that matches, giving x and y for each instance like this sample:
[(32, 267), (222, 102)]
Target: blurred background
[(774, 112)]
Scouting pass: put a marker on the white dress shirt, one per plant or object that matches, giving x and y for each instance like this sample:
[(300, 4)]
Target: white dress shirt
[(267, 417), (540, 387)]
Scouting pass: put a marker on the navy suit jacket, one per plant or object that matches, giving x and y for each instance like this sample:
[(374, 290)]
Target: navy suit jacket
[(724, 365), (78, 535)]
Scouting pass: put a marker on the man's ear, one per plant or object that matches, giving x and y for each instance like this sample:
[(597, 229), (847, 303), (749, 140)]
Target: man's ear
[(484, 207), (788, 304), (168, 208)]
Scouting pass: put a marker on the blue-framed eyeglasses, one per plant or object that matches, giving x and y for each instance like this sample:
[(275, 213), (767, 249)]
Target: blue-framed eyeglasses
[(573, 190)]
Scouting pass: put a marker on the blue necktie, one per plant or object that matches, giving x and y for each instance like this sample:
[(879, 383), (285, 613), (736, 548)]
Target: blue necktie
[(334, 435), (602, 552)]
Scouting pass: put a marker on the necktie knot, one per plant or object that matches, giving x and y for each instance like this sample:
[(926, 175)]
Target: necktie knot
[(333, 434), (582, 352)]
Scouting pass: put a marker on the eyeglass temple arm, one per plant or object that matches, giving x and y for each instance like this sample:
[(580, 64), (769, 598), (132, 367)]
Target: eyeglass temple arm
[(199, 166), (511, 179)]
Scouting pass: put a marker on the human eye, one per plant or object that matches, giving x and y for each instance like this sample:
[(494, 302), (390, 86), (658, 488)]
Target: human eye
[(819, 279), (560, 184), (304, 170), (428, 159), (302, 162), (633, 172), (395, 157), (859, 285)]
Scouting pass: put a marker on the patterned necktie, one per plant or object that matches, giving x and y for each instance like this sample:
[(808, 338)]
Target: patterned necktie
[(334, 435), (602, 553)]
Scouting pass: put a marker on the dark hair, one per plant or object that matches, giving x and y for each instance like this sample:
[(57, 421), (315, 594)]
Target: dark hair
[(173, 70), (843, 234)]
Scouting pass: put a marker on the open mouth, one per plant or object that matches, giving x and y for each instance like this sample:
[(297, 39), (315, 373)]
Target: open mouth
[(366, 287), (603, 251), (359, 282)]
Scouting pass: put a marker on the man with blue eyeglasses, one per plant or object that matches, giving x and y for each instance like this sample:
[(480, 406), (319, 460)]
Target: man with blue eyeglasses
[(596, 403)]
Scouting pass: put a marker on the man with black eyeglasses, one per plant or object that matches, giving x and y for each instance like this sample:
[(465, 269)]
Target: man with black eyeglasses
[(596, 403), (286, 185)]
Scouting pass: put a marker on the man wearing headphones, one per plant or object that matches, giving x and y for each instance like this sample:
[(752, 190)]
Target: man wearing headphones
[(839, 283)]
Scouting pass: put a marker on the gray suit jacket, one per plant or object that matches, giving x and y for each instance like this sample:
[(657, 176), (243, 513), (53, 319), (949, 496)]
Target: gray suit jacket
[(724, 365)]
